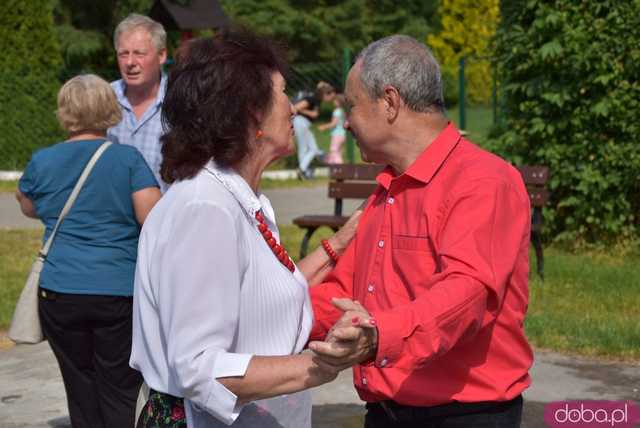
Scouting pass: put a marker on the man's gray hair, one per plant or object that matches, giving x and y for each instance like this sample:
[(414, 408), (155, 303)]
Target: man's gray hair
[(407, 65), (136, 21)]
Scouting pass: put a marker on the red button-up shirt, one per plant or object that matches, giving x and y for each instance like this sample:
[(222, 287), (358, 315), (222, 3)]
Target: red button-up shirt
[(440, 259)]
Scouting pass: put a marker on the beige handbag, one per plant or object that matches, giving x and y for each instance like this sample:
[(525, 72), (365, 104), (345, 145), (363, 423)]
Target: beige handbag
[(25, 324)]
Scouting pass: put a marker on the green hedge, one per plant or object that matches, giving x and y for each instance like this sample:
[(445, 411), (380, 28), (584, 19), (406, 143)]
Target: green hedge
[(29, 68), (569, 72)]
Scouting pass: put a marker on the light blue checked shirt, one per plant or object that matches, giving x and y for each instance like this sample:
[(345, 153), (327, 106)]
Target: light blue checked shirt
[(143, 134)]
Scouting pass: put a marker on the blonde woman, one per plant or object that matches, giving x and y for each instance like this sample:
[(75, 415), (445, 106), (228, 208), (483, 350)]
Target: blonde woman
[(86, 285)]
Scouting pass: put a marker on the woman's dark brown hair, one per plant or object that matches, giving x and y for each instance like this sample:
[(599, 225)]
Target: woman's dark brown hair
[(215, 91)]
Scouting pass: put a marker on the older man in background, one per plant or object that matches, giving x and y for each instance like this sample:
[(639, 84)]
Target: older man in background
[(140, 44)]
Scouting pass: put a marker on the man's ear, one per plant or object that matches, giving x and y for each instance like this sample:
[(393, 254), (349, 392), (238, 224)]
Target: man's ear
[(392, 102), (162, 54)]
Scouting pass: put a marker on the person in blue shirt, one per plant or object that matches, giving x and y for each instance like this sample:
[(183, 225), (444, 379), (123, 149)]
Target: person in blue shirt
[(141, 51), (86, 285)]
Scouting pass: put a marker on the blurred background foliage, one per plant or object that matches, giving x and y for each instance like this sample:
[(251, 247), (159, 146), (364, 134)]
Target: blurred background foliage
[(569, 73), (567, 78)]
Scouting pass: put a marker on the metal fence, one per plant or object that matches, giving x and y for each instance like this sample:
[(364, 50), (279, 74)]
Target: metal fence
[(480, 114)]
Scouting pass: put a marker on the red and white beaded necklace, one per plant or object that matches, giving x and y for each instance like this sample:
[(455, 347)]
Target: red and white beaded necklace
[(278, 250)]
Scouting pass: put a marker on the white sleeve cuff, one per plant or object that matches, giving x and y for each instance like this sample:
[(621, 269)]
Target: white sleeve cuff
[(230, 364), (222, 403)]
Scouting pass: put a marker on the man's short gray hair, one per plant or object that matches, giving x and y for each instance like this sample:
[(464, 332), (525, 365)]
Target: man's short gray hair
[(407, 65), (136, 21)]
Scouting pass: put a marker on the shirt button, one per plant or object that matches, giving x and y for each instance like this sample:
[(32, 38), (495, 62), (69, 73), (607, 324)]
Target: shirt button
[(391, 200), (364, 381), (370, 288), (381, 243), (383, 362)]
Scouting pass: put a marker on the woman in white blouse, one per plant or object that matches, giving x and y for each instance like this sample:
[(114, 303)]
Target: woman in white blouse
[(221, 313)]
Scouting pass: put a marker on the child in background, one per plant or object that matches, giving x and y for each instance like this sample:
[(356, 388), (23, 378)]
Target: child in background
[(338, 133)]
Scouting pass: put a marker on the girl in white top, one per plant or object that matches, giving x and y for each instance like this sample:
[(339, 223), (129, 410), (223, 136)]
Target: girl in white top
[(221, 314), (338, 133)]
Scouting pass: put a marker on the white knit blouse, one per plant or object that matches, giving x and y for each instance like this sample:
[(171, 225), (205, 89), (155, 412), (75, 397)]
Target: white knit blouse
[(209, 294)]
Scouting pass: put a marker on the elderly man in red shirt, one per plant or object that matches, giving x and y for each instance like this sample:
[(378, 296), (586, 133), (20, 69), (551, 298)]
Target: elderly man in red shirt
[(436, 281)]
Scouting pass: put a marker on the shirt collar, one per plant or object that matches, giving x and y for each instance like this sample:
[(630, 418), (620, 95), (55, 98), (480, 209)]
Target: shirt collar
[(241, 191), (430, 160)]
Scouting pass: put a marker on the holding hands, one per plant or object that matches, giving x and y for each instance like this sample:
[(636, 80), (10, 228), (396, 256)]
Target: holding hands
[(352, 340)]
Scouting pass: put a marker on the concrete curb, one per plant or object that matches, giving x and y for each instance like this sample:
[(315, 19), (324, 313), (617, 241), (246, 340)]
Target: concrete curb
[(10, 175)]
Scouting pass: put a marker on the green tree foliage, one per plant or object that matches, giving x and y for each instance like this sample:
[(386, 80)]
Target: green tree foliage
[(85, 33), (29, 67), (570, 74), (319, 30), (467, 27)]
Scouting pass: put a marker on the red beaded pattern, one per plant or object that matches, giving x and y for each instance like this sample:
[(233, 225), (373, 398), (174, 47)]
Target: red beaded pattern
[(278, 250), (330, 252)]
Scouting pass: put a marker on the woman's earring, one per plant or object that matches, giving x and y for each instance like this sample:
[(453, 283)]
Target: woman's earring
[(259, 134)]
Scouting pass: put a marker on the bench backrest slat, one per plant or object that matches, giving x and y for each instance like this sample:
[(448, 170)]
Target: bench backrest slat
[(358, 182), (539, 197), (354, 172), (351, 190), (534, 175)]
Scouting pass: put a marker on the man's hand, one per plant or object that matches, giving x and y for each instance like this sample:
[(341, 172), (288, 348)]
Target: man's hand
[(352, 340)]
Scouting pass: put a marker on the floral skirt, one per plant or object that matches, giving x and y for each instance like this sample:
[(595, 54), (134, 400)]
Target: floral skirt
[(162, 411)]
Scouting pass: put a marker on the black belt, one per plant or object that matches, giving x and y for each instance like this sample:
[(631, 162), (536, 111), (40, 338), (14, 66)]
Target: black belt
[(399, 412)]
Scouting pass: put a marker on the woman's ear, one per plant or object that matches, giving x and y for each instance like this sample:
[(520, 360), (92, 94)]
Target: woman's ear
[(256, 121)]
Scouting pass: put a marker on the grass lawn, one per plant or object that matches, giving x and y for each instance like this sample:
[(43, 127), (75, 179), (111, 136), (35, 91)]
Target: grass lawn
[(588, 305), (267, 183), (479, 120), (8, 186), (18, 249)]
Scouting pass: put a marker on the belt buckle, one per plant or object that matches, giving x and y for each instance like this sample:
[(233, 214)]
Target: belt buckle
[(389, 411)]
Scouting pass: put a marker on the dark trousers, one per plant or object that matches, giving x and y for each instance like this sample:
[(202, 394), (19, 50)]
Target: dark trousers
[(499, 415), (91, 339)]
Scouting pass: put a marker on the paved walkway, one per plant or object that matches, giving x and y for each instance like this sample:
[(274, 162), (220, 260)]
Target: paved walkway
[(32, 394), (288, 204), (10, 215)]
